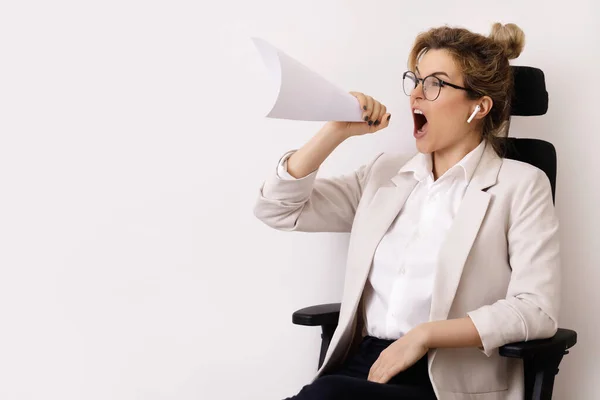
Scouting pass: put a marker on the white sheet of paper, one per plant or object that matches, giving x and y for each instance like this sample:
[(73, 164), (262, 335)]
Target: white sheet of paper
[(303, 94)]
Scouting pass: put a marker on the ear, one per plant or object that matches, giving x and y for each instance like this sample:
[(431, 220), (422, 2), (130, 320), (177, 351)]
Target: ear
[(485, 106)]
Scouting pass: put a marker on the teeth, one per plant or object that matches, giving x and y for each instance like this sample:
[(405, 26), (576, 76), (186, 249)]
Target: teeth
[(418, 112)]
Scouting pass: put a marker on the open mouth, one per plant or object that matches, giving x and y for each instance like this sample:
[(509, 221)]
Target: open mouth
[(420, 121)]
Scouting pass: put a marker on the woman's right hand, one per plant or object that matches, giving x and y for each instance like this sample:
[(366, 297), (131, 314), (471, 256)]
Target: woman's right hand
[(374, 114)]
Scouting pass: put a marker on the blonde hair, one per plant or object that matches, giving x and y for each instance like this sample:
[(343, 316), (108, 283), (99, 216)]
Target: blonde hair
[(484, 62)]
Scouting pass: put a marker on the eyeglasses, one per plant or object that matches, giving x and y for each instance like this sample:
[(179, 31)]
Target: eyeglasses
[(432, 85)]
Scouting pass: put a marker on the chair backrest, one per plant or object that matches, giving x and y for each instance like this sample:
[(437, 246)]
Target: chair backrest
[(531, 98), (536, 152)]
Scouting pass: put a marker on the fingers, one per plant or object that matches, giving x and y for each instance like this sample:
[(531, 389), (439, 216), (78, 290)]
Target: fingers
[(371, 376), (374, 120), (367, 114), (362, 100), (378, 373), (366, 104), (375, 370), (385, 121), (382, 112), (374, 113)]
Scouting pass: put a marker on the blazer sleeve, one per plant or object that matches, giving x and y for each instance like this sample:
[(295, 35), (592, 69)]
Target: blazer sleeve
[(530, 309), (311, 204), (282, 171)]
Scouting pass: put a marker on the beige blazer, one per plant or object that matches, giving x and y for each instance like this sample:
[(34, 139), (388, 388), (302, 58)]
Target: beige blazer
[(499, 264)]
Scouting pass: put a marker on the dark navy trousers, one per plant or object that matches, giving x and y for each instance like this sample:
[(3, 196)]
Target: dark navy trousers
[(349, 381)]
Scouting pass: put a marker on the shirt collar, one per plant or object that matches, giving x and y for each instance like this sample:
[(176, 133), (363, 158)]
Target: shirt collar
[(421, 164)]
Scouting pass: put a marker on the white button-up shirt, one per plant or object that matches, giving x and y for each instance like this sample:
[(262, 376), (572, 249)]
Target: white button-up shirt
[(398, 291)]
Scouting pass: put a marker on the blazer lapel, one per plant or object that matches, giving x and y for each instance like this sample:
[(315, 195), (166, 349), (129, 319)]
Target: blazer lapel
[(462, 234), (378, 217)]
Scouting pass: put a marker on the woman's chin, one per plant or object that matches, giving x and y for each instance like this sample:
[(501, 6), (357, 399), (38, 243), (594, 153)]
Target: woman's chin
[(423, 146)]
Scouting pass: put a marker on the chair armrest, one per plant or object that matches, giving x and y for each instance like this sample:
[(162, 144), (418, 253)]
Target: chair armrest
[(322, 314), (561, 341), (541, 359)]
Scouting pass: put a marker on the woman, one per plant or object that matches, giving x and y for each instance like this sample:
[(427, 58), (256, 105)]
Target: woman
[(453, 252)]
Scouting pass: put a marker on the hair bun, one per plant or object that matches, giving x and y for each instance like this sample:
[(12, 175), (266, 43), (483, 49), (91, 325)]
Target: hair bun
[(510, 37)]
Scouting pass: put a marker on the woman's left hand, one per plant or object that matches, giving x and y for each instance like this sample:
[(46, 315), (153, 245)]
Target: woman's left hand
[(399, 356)]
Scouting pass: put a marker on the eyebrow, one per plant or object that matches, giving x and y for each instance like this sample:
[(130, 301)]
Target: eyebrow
[(435, 73)]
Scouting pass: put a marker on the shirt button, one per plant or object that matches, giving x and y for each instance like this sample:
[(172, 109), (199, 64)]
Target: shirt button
[(401, 271)]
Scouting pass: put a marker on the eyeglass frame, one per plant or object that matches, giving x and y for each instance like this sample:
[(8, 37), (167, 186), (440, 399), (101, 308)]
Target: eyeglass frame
[(441, 81)]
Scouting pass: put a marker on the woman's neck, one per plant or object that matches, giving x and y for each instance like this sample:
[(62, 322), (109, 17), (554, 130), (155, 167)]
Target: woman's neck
[(444, 159)]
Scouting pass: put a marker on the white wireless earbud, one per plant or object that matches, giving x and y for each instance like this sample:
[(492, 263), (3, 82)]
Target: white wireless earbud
[(477, 108)]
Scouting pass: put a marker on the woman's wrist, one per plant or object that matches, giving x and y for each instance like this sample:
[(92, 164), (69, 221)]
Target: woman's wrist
[(452, 333), (424, 332), (337, 135)]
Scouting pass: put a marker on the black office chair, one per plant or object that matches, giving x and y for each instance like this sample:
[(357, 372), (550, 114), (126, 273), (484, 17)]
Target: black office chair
[(540, 357)]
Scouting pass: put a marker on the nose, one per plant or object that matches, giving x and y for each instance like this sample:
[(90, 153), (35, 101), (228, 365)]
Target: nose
[(417, 92)]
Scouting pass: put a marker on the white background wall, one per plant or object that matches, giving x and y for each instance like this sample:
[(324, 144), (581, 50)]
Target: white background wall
[(132, 146)]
